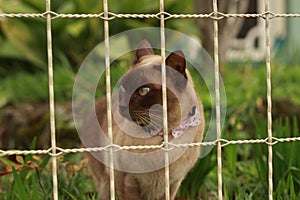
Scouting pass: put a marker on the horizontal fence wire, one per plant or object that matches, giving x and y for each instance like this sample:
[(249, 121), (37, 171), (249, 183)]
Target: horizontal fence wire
[(115, 147), (111, 15)]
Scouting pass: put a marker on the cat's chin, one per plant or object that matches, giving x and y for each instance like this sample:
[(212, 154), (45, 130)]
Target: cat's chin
[(142, 125), (146, 127)]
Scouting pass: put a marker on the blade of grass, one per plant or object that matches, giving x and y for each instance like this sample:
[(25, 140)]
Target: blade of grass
[(69, 195), (45, 161), (34, 189), (231, 153), (292, 187), (19, 186)]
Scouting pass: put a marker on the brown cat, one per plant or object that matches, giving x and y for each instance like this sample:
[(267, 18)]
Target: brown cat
[(137, 120)]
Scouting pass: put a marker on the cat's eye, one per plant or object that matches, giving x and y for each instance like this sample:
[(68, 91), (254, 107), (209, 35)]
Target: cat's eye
[(143, 91)]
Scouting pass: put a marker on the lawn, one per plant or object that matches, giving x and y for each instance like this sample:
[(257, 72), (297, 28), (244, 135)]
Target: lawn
[(245, 172)]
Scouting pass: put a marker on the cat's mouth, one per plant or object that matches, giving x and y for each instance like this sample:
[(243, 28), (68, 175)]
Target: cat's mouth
[(137, 118), (143, 123), (140, 121), (147, 126), (149, 121)]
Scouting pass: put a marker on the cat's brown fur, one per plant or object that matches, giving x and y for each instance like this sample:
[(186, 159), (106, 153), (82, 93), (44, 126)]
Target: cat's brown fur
[(148, 185)]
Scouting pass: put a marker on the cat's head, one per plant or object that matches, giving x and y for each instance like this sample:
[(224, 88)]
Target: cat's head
[(140, 93)]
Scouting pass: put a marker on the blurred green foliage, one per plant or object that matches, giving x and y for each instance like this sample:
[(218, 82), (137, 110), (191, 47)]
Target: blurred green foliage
[(24, 87), (23, 40)]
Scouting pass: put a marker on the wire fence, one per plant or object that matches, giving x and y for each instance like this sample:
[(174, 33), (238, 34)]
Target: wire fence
[(106, 16)]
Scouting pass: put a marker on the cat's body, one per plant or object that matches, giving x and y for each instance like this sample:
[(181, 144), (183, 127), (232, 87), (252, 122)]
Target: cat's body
[(151, 183)]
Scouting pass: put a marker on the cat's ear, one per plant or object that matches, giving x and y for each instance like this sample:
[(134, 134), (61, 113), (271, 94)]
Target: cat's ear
[(176, 60), (144, 48)]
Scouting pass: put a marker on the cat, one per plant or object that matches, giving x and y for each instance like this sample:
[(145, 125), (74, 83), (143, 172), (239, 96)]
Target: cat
[(137, 120)]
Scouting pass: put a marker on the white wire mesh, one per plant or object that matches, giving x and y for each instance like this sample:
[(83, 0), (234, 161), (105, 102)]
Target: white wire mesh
[(51, 101), (55, 151)]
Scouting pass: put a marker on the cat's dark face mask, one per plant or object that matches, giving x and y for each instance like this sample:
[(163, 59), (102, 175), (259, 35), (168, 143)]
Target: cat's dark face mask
[(139, 91), (140, 95)]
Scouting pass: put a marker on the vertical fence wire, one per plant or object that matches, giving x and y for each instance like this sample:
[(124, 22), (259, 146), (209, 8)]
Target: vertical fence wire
[(51, 100), (108, 100), (164, 99), (269, 99), (217, 93)]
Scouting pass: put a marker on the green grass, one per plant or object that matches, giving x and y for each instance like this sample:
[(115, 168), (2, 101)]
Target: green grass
[(245, 167), (32, 180)]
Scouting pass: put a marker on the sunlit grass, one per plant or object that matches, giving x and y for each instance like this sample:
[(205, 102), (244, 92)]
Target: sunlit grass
[(244, 167)]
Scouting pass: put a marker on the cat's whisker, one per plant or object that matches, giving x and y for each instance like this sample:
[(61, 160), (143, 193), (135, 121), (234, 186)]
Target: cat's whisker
[(147, 111), (157, 123), (156, 117), (156, 111), (156, 114), (142, 118), (150, 121)]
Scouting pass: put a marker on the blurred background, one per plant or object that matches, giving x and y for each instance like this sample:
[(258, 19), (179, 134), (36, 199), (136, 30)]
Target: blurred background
[(24, 112)]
